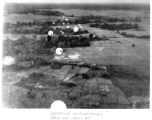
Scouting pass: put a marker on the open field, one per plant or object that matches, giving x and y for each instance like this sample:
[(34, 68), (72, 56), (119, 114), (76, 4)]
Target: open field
[(30, 18), (113, 72), (108, 13)]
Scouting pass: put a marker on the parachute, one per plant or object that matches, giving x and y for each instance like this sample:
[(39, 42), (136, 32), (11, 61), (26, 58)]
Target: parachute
[(67, 26), (62, 32), (8, 60), (59, 51), (80, 26), (58, 26), (50, 33), (66, 19), (58, 104), (62, 17), (75, 29)]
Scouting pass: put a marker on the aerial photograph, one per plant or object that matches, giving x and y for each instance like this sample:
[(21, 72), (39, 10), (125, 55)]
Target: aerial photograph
[(89, 54)]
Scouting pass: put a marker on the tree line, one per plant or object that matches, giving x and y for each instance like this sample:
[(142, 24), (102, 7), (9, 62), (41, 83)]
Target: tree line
[(123, 26), (42, 30), (81, 20), (135, 36), (35, 12)]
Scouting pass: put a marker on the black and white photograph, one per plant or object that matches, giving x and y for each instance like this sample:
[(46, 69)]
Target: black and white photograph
[(82, 54)]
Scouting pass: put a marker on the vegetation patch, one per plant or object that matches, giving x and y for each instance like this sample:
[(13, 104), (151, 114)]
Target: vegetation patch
[(129, 82), (27, 52), (123, 26), (135, 36)]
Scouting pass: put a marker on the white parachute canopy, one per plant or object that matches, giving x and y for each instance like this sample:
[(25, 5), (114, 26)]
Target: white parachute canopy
[(66, 19), (80, 26), (8, 60), (50, 33), (62, 32), (58, 104), (58, 26), (62, 17), (75, 29), (67, 26), (59, 51)]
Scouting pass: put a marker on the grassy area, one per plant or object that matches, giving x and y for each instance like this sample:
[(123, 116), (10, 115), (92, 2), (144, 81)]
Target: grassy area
[(128, 82)]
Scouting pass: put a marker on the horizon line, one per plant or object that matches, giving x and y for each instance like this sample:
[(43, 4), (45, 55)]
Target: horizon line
[(73, 3)]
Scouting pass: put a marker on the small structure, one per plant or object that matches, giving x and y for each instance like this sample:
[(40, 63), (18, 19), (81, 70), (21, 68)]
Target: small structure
[(90, 35), (133, 45), (117, 30)]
